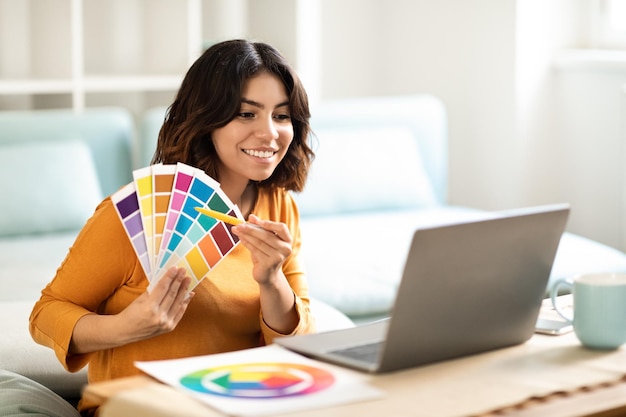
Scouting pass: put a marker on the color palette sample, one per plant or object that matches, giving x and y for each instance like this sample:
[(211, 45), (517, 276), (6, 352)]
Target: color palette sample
[(158, 213), (259, 380), (126, 203), (162, 183)]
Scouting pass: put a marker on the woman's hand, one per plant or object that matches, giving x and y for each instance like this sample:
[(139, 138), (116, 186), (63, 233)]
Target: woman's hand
[(159, 311), (151, 314), (270, 244)]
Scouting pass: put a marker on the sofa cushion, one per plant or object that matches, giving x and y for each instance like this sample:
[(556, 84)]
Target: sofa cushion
[(40, 200), (353, 168), (108, 131), (354, 263)]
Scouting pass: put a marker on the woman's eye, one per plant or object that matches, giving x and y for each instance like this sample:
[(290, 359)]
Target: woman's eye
[(282, 117), (246, 115)]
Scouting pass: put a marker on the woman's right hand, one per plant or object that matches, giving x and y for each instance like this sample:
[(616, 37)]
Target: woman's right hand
[(151, 314), (159, 311)]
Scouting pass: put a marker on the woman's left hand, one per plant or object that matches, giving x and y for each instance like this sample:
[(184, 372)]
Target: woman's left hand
[(269, 243)]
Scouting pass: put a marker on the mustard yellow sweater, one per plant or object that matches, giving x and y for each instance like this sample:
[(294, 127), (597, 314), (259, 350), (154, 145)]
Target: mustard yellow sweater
[(102, 274)]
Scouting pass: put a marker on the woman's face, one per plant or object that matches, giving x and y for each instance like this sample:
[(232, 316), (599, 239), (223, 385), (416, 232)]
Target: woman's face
[(251, 146)]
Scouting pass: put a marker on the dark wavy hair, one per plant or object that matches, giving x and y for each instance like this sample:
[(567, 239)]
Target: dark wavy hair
[(210, 97)]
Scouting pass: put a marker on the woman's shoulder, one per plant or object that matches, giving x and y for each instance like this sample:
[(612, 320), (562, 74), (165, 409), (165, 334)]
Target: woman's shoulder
[(275, 203), (106, 210), (275, 195)]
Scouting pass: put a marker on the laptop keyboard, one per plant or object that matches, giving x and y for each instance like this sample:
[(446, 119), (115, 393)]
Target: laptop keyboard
[(366, 353)]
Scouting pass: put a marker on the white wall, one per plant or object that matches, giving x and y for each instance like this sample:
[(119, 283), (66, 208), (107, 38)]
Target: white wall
[(569, 117), (591, 117), (462, 51)]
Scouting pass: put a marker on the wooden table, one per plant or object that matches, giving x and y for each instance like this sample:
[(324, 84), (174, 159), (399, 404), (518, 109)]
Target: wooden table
[(539, 368), (142, 396)]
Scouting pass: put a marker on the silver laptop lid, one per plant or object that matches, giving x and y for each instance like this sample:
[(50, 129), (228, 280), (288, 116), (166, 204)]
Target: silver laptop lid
[(472, 287), (466, 288)]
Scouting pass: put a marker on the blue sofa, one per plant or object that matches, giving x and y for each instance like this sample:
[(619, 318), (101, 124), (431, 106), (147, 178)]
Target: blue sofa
[(381, 171)]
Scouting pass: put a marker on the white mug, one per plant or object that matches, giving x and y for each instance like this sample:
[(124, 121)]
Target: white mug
[(599, 308)]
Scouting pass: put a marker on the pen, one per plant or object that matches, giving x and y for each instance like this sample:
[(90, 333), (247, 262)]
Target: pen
[(220, 216)]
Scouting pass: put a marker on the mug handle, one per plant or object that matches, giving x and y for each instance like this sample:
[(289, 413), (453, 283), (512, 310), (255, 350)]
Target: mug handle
[(559, 284)]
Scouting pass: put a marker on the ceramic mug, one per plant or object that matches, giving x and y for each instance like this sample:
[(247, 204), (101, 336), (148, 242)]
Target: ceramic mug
[(599, 302)]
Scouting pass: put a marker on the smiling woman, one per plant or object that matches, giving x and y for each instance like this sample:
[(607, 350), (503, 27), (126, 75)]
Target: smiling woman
[(242, 116)]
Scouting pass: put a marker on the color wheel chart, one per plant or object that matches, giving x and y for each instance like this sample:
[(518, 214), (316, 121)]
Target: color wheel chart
[(158, 213), (264, 381), (259, 380)]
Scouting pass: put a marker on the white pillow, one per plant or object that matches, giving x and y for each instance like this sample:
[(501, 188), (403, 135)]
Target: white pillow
[(46, 187), (365, 169), (355, 263)]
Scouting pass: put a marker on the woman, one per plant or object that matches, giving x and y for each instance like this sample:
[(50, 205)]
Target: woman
[(241, 115)]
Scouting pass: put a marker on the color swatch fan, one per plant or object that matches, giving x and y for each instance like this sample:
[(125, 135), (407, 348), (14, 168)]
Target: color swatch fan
[(158, 211)]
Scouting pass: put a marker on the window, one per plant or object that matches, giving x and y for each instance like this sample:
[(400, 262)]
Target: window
[(617, 16), (609, 24)]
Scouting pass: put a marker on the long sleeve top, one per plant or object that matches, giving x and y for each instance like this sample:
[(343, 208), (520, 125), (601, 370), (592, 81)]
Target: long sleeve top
[(101, 274)]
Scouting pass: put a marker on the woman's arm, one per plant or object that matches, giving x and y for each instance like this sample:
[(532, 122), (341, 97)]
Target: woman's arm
[(149, 315), (88, 303)]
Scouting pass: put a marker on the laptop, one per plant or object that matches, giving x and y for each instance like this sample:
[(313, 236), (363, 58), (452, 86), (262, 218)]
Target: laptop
[(466, 288)]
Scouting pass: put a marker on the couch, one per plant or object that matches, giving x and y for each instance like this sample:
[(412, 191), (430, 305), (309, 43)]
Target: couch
[(56, 166), (381, 171)]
